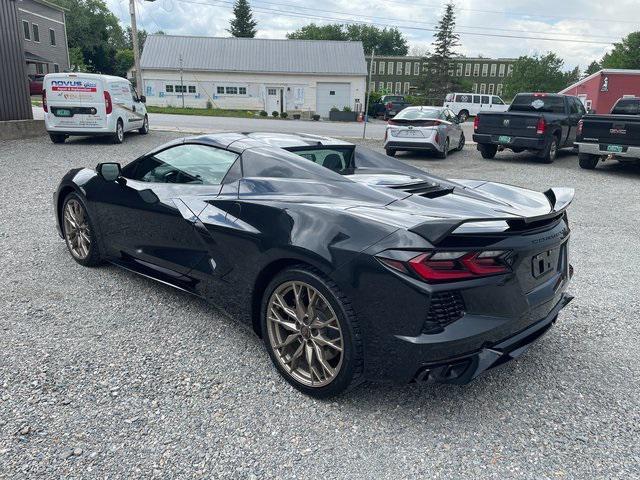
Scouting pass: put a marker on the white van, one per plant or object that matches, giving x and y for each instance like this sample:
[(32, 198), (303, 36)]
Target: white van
[(91, 104), (466, 104)]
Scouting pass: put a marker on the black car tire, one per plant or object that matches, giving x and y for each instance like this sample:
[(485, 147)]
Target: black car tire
[(352, 366), (487, 150), (461, 143), (588, 161), (550, 153), (445, 150), (118, 136), (391, 152), (145, 126), (57, 138), (93, 259)]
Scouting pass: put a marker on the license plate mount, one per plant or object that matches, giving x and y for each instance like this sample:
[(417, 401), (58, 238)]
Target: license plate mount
[(614, 148), (504, 139)]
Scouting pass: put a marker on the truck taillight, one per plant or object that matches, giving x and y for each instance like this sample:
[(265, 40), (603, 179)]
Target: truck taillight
[(580, 125), (476, 123), (107, 102), (389, 105), (541, 126), (44, 100)]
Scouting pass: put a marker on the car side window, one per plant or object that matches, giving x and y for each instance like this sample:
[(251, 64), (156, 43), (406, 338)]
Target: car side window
[(334, 159), (497, 101), (185, 164), (573, 104), (485, 99), (476, 99), (134, 95)]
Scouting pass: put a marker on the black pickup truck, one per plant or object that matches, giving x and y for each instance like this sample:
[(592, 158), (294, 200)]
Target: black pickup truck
[(388, 106), (610, 136), (539, 122)]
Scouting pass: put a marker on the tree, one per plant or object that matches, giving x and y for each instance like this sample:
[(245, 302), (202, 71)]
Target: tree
[(592, 68), (539, 73), (437, 80), (142, 37), (123, 62), (625, 54), (243, 25), (385, 41)]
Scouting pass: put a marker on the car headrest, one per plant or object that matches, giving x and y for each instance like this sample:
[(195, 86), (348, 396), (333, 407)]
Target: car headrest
[(333, 161)]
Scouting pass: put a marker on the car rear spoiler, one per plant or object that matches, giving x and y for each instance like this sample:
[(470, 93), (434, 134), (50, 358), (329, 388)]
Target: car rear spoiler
[(437, 230)]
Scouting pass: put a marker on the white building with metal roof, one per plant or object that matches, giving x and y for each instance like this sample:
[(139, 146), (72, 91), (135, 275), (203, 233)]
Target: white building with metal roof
[(294, 76)]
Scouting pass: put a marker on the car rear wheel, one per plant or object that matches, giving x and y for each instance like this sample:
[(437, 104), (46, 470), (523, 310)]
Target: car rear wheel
[(57, 138), (118, 136), (391, 152), (487, 151), (588, 161), (445, 150), (79, 233), (145, 126), (549, 154), (311, 332)]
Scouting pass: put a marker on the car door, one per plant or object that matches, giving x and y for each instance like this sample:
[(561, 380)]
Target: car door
[(576, 112), (148, 217), (137, 109)]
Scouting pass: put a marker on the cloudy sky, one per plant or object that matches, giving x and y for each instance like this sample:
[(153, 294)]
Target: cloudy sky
[(488, 27)]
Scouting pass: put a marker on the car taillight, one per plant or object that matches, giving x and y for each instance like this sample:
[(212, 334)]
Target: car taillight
[(580, 125), (44, 100), (389, 105), (541, 126), (434, 267), (107, 103), (391, 122), (476, 123)]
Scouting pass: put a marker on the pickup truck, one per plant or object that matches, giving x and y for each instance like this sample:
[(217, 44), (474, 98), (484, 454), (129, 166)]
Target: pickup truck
[(610, 136), (538, 122), (388, 106)]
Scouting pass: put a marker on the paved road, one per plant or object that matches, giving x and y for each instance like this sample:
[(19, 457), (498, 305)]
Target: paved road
[(107, 374), (204, 124)]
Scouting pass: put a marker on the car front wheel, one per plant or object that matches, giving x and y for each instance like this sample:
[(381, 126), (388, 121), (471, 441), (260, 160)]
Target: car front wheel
[(311, 332)]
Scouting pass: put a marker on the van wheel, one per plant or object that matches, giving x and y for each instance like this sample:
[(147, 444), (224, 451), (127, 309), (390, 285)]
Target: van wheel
[(56, 138), (145, 126), (118, 136), (588, 161), (487, 151), (463, 115)]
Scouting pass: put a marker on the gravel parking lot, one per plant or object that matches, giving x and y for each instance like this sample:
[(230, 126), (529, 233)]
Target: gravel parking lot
[(107, 374)]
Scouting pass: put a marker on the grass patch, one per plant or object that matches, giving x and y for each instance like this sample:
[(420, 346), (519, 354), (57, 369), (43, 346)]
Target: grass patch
[(210, 112)]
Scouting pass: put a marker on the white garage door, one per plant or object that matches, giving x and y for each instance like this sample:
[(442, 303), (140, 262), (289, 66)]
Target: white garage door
[(331, 95)]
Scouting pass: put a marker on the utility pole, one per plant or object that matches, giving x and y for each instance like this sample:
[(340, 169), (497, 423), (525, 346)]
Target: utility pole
[(136, 51), (366, 97), (181, 83)]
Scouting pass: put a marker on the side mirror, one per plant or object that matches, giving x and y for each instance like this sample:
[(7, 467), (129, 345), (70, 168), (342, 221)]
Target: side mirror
[(143, 99), (110, 171)]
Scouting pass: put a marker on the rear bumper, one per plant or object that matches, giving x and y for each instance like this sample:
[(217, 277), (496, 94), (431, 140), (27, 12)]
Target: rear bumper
[(596, 149), (425, 145), (516, 142)]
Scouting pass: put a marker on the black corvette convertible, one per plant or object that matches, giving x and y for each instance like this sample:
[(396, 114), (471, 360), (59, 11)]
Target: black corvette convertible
[(351, 265)]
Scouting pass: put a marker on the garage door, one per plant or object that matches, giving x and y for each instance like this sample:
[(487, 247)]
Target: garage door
[(331, 95)]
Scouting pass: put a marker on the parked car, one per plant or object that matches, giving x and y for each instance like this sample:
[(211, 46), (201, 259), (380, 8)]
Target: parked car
[(610, 136), (345, 280), (427, 129), (35, 84), (91, 104), (465, 105), (538, 122), (388, 106)]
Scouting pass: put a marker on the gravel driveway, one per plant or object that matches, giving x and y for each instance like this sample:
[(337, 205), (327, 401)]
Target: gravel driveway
[(104, 374)]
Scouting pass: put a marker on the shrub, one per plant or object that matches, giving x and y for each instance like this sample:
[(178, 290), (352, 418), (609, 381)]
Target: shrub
[(335, 109), (274, 114), (209, 105), (316, 117), (296, 116), (263, 113), (346, 108), (284, 115)]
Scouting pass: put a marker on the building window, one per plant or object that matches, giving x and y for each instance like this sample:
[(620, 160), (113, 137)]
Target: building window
[(380, 86), (491, 87), (499, 89), (397, 90), (220, 90), (494, 67), (450, 71), (509, 70), (467, 70), (459, 70), (36, 33), (234, 90), (389, 87), (485, 69), (398, 68), (416, 68), (52, 37), (381, 68), (373, 68), (192, 89), (475, 88), (407, 68), (407, 86), (372, 86), (56, 68), (39, 68), (27, 30), (483, 88), (501, 70), (168, 88), (180, 88), (390, 68), (273, 91), (476, 69), (242, 90)]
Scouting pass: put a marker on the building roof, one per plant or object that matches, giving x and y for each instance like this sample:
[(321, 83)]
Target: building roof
[(606, 71), (163, 52)]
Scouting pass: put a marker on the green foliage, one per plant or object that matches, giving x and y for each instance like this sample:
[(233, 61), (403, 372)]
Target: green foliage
[(347, 108), (275, 114), (76, 59), (209, 105), (128, 38), (123, 62), (385, 41), (625, 54), (214, 112), (263, 113), (539, 73), (592, 68), (243, 24), (284, 115), (334, 109)]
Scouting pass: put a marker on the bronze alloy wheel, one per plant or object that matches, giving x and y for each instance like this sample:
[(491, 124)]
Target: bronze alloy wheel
[(76, 229), (304, 333)]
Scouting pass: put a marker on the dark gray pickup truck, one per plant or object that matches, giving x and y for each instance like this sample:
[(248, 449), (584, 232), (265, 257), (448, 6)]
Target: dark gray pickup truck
[(539, 122), (610, 136)]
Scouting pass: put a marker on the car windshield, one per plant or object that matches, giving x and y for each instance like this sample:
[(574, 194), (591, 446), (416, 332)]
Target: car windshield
[(418, 114), (537, 103)]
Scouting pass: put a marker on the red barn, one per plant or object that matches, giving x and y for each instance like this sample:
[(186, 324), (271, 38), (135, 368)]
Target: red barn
[(602, 89)]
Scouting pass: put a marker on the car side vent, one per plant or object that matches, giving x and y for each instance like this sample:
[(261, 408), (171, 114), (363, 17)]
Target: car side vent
[(446, 308), (424, 189)]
